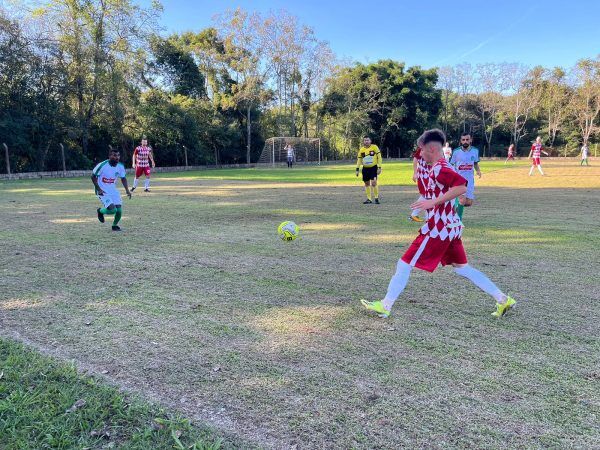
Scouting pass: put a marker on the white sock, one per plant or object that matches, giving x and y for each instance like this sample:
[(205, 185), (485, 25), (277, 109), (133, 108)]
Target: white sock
[(135, 181), (481, 281), (397, 284), (531, 170), (147, 183), (540, 169)]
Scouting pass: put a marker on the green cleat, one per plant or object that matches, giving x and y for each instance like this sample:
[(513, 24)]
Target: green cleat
[(376, 306), (502, 308)]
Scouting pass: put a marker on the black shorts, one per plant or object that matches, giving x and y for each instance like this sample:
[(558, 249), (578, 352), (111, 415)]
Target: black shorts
[(369, 173)]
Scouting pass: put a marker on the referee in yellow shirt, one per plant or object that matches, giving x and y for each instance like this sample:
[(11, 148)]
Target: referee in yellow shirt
[(369, 156)]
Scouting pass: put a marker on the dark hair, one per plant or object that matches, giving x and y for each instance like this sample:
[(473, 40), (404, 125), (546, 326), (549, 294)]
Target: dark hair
[(114, 150), (433, 135), (465, 133), (367, 137)]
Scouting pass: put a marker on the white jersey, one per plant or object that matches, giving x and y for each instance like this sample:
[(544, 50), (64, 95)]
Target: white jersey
[(447, 153), (108, 175), (584, 152), (290, 152), (464, 162)]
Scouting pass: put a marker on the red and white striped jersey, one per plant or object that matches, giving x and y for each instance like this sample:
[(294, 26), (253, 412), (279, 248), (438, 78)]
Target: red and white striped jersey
[(442, 221), (536, 150), (422, 172), (142, 156)]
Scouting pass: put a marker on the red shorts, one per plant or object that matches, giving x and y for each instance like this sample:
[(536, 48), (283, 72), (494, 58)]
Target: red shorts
[(139, 171), (427, 253), (536, 161)]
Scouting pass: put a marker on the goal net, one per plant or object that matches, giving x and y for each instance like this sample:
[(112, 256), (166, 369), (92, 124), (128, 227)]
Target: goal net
[(306, 150)]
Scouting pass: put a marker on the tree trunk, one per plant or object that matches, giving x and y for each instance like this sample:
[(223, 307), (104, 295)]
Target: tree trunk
[(249, 132)]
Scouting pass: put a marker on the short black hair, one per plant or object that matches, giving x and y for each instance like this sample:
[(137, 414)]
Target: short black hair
[(465, 133), (114, 150), (367, 137), (433, 135)]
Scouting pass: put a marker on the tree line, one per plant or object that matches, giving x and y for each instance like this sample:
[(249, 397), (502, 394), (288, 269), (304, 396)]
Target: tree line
[(89, 74)]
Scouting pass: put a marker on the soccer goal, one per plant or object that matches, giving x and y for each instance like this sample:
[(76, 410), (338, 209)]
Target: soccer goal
[(306, 150)]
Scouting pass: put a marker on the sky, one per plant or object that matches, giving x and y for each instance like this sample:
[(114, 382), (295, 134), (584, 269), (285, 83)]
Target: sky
[(427, 33)]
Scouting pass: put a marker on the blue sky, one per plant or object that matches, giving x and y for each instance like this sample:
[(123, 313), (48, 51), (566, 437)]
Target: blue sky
[(428, 33)]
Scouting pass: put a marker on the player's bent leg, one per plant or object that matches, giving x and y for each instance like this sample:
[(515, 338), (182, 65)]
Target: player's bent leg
[(118, 214), (396, 286), (479, 279)]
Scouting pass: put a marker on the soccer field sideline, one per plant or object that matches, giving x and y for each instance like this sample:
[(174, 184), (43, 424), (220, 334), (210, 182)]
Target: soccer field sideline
[(295, 360)]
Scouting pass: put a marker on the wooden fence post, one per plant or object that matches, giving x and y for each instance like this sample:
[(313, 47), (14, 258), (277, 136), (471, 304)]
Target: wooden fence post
[(7, 158), (62, 154)]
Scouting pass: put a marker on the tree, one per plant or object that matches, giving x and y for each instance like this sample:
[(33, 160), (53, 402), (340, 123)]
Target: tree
[(525, 86), (242, 35), (585, 101), (555, 101), (92, 36), (491, 81)]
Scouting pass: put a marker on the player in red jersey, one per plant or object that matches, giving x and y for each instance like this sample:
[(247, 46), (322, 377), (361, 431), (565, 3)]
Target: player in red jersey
[(439, 240), (535, 154), (142, 159), (420, 176), (511, 153)]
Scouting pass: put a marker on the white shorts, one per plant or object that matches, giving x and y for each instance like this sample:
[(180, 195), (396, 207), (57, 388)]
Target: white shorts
[(110, 197)]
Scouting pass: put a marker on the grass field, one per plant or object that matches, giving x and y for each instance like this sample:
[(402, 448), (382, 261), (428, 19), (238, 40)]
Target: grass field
[(198, 306)]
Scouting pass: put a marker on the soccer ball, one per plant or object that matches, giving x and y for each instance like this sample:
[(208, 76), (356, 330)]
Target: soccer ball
[(288, 230)]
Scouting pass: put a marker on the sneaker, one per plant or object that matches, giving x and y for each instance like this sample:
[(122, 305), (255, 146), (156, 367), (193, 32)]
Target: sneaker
[(116, 228), (503, 308), (367, 201), (416, 218), (378, 307), (132, 189), (377, 201), (100, 216)]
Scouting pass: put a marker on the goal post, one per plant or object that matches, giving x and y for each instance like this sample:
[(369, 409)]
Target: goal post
[(306, 150)]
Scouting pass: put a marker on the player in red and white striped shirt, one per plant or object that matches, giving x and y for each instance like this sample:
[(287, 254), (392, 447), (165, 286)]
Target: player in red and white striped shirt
[(439, 240), (142, 158), (535, 154)]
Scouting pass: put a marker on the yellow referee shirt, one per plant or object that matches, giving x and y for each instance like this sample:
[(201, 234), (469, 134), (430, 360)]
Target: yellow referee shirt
[(369, 156)]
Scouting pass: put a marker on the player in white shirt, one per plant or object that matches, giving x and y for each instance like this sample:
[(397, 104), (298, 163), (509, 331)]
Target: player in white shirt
[(291, 155), (465, 160), (584, 155), (447, 151), (104, 177)]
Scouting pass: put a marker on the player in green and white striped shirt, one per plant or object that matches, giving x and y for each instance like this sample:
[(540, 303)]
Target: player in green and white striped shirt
[(104, 177)]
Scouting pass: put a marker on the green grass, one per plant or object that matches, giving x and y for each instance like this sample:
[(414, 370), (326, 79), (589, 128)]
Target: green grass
[(398, 173), (199, 306), (47, 404)]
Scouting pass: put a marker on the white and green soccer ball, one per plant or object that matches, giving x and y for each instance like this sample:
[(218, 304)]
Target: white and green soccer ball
[(288, 230)]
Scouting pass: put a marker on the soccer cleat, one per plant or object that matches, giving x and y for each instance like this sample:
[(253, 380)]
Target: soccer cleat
[(376, 306), (100, 216), (415, 218), (146, 190), (503, 308), (367, 201), (133, 189), (377, 201), (116, 228)]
